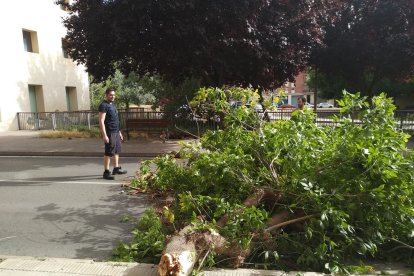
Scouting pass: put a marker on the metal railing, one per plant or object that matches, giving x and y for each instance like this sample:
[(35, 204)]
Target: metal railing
[(324, 117), (56, 120), (90, 119), (405, 120)]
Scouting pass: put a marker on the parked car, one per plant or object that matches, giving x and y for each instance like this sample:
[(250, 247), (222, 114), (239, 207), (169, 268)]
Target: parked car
[(256, 108), (287, 106), (325, 105), (308, 105)]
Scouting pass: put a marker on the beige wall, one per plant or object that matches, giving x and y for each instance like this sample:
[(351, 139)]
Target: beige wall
[(47, 68)]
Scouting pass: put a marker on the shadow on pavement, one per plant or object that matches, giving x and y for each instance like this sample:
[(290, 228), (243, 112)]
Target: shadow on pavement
[(97, 229)]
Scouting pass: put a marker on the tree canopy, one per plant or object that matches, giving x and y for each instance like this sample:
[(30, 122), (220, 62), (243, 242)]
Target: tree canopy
[(233, 42), (131, 89), (366, 42)]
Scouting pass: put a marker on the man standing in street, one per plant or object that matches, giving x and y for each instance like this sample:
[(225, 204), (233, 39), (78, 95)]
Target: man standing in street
[(111, 134)]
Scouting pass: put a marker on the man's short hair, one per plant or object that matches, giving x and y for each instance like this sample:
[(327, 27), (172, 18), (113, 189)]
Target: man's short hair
[(303, 99), (109, 90)]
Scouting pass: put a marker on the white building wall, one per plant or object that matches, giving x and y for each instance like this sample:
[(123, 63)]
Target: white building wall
[(48, 68)]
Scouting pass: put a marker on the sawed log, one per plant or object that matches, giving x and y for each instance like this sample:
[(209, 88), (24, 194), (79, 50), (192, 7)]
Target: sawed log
[(179, 255), (183, 250)]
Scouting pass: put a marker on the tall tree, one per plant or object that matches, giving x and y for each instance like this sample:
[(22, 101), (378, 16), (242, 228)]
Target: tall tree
[(233, 42), (366, 42), (131, 89)]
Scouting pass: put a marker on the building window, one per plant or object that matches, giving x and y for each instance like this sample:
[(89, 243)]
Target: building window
[(71, 99), (30, 41), (36, 98), (65, 53)]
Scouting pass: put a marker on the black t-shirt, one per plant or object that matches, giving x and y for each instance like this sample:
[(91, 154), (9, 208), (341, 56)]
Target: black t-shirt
[(111, 118)]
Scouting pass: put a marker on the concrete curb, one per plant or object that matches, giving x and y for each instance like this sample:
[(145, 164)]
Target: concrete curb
[(22, 266), (32, 266), (13, 266)]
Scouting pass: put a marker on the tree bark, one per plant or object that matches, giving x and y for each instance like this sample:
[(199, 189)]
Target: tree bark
[(179, 255), (183, 250), (260, 196)]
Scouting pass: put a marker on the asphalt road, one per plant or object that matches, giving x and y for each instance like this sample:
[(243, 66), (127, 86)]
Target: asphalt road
[(61, 207)]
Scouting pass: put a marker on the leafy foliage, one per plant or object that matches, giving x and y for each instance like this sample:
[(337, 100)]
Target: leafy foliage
[(148, 241), (131, 89), (350, 185), (245, 42), (365, 43), (175, 96)]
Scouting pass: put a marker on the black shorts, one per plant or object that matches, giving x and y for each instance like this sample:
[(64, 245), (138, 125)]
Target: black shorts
[(114, 145)]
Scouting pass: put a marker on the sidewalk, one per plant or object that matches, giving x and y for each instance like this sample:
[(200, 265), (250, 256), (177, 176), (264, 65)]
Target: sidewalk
[(29, 266), (28, 143)]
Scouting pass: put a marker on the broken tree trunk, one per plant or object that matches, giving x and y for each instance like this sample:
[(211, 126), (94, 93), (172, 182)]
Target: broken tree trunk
[(179, 255), (183, 250), (260, 196)]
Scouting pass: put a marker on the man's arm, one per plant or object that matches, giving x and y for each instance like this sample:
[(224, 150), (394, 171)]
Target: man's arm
[(102, 116)]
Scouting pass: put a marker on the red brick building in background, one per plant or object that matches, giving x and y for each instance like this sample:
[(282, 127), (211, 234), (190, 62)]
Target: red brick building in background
[(294, 90), (297, 89)]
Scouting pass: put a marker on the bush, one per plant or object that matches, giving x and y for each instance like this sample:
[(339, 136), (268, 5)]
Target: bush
[(72, 131), (147, 243)]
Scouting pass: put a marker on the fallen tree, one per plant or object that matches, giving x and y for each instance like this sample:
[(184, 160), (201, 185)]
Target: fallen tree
[(287, 194), (186, 246)]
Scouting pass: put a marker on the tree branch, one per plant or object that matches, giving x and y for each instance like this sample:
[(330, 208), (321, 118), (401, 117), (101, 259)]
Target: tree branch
[(289, 222)]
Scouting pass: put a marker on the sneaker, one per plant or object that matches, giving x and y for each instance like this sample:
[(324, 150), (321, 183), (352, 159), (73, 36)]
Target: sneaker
[(119, 170), (108, 176)]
